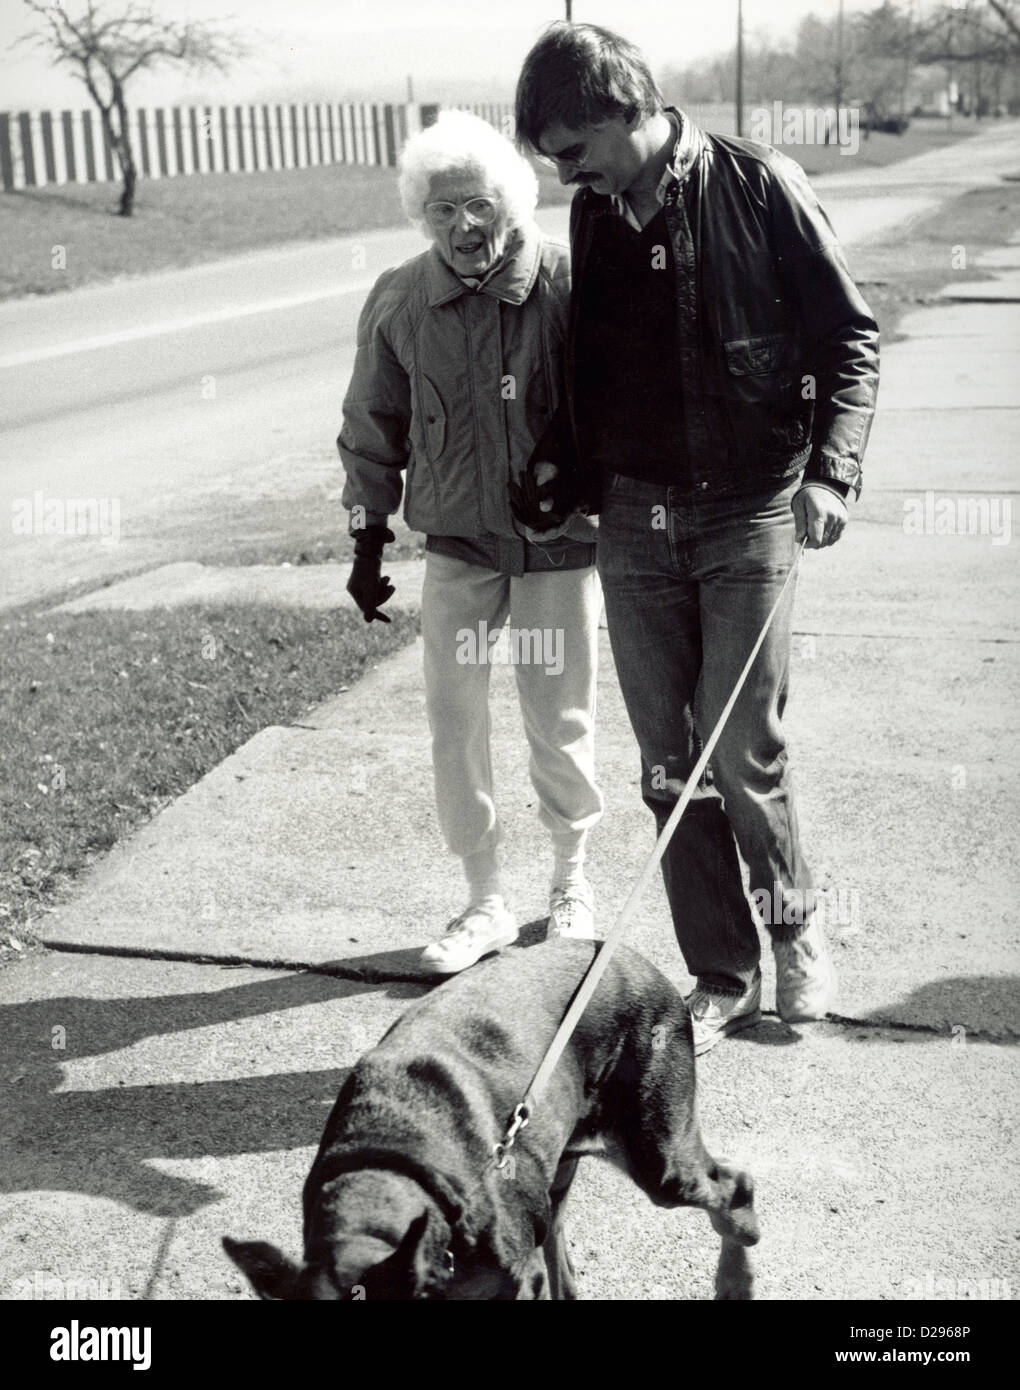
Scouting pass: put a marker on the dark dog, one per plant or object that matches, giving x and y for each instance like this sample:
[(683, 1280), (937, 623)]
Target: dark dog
[(404, 1200)]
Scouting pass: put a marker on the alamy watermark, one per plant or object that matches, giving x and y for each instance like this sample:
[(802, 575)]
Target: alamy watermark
[(42, 1287), (807, 125), (511, 646), (929, 1288), (77, 1343), (789, 907), (40, 515), (959, 516)]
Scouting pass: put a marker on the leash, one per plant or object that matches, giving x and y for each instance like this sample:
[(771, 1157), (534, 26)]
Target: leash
[(589, 981)]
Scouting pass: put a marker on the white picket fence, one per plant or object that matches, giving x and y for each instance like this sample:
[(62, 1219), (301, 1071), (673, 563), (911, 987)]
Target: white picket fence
[(47, 147)]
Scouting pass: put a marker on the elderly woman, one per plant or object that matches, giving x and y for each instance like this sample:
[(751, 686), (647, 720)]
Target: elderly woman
[(458, 373)]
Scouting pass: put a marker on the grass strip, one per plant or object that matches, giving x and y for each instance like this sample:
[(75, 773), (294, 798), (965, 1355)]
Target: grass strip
[(109, 716), (907, 267), (181, 222)]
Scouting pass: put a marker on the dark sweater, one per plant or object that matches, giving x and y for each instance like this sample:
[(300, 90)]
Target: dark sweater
[(629, 410)]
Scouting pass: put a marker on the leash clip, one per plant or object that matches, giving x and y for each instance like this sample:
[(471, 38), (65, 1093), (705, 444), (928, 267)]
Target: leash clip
[(501, 1151)]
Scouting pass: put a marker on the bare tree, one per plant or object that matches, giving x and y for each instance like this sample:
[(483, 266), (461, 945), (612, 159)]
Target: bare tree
[(824, 63), (887, 45), (973, 39), (972, 32), (875, 58), (104, 45)]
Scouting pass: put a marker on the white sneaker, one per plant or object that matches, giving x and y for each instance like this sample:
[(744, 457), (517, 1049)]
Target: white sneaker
[(572, 912), (485, 926), (805, 976)]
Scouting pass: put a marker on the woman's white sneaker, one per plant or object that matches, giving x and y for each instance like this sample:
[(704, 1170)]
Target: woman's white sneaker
[(572, 912), (484, 927)]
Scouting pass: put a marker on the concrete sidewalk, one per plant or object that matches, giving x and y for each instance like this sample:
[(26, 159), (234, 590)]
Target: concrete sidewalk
[(167, 1082)]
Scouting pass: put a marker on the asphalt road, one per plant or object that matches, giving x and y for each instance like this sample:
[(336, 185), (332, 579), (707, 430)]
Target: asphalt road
[(228, 378)]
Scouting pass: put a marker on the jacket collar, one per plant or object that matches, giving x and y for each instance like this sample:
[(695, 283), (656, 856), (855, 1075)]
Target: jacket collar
[(688, 146), (512, 282)]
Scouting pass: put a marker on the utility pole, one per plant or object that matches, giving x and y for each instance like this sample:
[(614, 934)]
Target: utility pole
[(839, 59), (740, 68), (954, 92), (570, 10)]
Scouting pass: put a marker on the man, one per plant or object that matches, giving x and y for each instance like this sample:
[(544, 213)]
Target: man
[(721, 378)]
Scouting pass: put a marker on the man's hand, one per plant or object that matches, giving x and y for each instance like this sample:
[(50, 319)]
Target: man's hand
[(366, 585), (820, 515)]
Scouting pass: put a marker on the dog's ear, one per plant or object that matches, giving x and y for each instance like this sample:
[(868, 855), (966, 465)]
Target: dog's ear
[(413, 1270), (269, 1272)]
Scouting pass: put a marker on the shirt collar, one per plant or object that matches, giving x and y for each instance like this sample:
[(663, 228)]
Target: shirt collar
[(678, 167)]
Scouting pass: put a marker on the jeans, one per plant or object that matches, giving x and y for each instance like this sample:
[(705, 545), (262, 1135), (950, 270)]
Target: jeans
[(687, 585)]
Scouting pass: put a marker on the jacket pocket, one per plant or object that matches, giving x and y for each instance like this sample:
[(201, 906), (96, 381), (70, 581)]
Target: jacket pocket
[(434, 419), (767, 414), (756, 356)]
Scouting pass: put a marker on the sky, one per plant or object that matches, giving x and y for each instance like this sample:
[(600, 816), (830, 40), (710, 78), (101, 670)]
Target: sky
[(356, 50)]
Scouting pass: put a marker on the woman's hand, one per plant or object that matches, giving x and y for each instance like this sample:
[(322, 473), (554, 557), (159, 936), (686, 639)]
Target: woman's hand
[(533, 500)]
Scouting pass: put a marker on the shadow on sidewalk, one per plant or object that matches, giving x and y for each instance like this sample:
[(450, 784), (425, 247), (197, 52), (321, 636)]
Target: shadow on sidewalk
[(104, 1143), (100, 1142), (992, 998)]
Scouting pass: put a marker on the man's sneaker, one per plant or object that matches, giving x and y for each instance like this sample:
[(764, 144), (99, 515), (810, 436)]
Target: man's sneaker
[(805, 977), (485, 926), (715, 1016), (572, 912)]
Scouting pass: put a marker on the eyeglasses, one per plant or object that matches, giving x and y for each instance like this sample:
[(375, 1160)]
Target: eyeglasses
[(481, 212), (574, 157)]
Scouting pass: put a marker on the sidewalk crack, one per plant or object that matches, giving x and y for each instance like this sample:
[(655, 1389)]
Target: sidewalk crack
[(368, 976), (360, 974)]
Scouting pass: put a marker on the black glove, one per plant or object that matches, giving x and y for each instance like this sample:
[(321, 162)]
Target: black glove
[(366, 586), (526, 496)]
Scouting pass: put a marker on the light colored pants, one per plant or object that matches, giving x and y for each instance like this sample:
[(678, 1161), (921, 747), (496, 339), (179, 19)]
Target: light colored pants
[(552, 642)]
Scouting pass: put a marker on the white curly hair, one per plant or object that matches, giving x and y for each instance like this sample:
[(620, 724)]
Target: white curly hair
[(460, 141)]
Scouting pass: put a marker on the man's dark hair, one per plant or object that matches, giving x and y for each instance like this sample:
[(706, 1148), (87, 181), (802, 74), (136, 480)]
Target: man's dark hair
[(578, 75)]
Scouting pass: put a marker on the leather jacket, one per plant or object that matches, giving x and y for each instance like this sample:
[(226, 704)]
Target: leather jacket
[(778, 351)]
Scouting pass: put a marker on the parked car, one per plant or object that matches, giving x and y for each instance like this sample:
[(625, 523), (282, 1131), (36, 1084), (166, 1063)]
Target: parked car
[(888, 125)]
